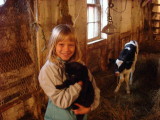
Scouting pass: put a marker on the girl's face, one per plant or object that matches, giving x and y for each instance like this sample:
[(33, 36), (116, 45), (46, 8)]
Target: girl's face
[(65, 49)]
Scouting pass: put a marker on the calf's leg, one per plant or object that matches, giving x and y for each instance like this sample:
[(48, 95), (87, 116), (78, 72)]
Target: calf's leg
[(131, 74), (127, 83), (131, 78), (119, 83)]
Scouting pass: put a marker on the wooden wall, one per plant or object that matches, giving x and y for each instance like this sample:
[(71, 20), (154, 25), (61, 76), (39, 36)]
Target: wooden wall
[(19, 89)]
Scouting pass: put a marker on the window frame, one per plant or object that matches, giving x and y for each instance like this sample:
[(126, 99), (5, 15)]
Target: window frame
[(98, 21), (102, 13)]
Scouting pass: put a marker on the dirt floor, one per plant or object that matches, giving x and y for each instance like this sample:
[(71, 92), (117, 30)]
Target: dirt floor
[(142, 104)]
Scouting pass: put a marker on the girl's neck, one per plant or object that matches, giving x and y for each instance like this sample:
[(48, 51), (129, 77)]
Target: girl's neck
[(62, 61)]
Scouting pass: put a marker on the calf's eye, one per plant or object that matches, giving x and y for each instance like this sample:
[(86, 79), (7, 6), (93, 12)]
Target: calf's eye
[(72, 75)]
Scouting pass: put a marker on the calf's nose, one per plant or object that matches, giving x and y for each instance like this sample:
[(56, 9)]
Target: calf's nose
[(117, 73)]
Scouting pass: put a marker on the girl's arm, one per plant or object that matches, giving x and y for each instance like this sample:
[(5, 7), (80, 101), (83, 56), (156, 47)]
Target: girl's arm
[(49, 76), (97, 92)]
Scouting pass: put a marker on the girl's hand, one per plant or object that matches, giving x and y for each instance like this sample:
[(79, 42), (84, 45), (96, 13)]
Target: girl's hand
[(80, 83), (81, 109)]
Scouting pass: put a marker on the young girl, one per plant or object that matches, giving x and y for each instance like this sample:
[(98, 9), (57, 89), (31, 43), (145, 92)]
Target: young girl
[(63, 48)]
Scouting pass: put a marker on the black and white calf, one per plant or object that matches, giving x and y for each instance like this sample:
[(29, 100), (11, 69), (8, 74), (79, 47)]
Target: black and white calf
[(125, 64)]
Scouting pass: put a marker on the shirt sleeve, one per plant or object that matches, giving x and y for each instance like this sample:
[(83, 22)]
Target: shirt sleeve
[(49, 76), (96, 90)]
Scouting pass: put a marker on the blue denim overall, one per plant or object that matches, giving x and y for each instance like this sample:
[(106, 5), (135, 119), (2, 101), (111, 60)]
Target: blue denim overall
[(55, 113)]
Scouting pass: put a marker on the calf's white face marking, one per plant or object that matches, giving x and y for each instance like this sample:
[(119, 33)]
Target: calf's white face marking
[(119, 62)]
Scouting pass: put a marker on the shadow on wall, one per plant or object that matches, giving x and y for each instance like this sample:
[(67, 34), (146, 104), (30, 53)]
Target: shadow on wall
[(150, 47)]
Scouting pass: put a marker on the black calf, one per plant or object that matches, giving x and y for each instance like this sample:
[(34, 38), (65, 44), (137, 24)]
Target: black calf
[(76, 72)]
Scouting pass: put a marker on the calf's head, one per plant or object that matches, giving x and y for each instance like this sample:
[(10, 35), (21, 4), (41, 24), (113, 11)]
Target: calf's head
[(76, 72)]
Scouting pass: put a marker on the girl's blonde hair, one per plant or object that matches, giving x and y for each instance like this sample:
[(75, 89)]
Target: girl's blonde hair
[(59, 33)]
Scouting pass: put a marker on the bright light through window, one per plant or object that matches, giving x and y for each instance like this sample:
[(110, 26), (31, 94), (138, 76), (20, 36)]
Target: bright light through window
[(2, 2), (96, 19)]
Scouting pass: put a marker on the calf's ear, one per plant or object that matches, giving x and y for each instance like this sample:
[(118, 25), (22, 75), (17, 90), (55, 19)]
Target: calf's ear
[(112, 60), (85, 71)]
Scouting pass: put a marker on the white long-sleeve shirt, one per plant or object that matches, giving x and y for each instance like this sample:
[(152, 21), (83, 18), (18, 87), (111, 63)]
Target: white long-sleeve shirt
[(51, 75)]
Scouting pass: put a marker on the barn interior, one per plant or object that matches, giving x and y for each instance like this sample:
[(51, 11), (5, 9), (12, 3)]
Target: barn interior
[(25, 28)]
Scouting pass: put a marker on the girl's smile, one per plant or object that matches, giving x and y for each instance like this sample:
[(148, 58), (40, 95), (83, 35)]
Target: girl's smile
[(65, 49)]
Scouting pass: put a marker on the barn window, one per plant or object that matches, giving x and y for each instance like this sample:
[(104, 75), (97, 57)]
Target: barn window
[(2, 2), (96, 19)]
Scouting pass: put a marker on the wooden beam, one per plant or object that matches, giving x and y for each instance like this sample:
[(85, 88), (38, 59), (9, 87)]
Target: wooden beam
[(145, 2)]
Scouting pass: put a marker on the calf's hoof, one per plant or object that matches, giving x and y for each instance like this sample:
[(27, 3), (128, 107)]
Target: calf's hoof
[(115, 91), (128, 92)]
